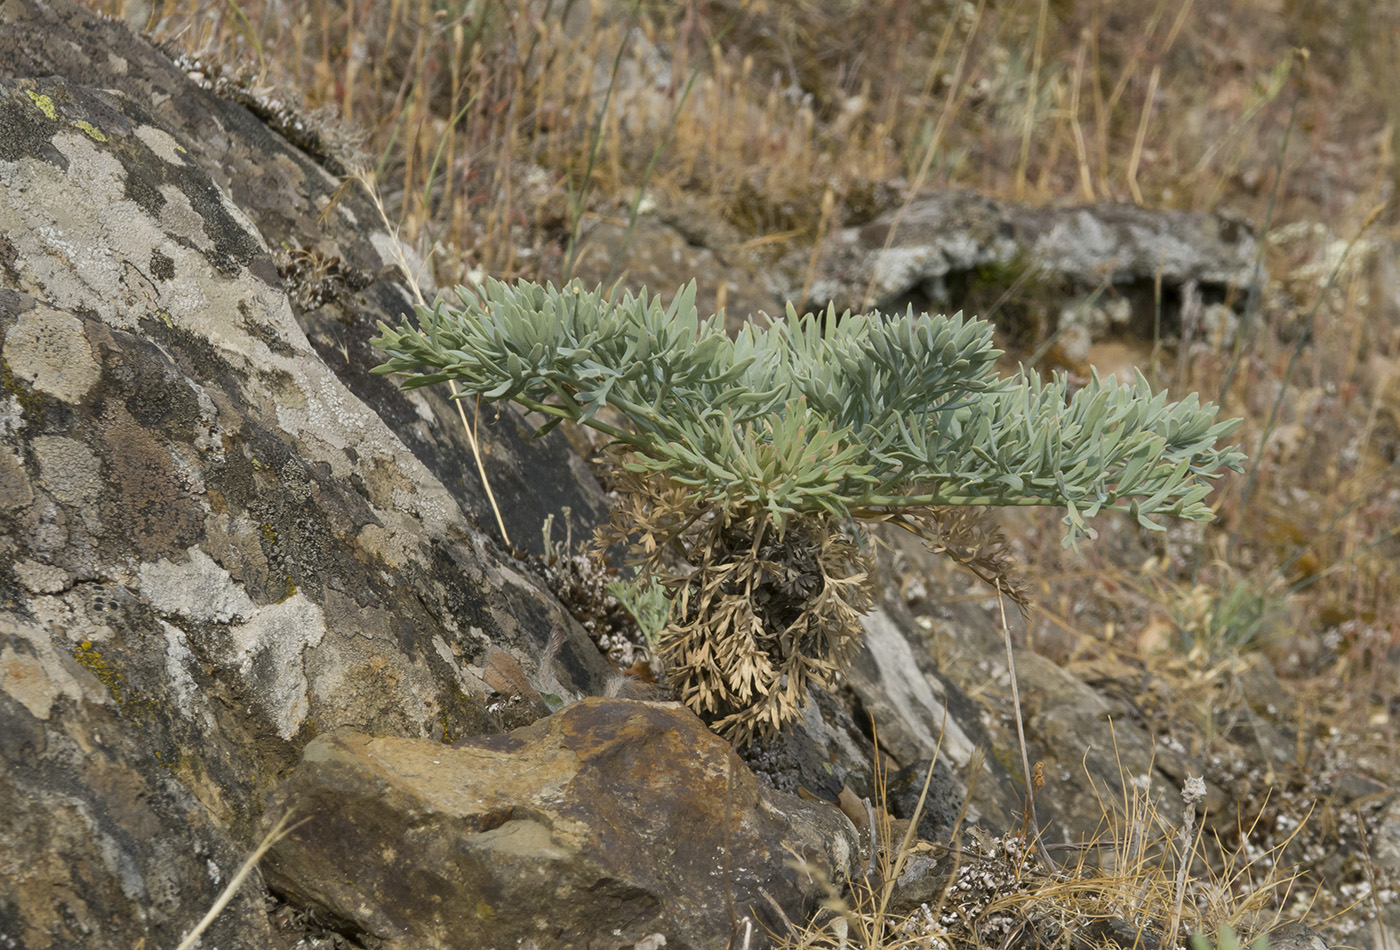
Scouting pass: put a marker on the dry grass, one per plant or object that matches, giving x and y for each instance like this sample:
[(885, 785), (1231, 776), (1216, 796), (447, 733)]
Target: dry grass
[(493, 126), (495, 129), (1138, 879)]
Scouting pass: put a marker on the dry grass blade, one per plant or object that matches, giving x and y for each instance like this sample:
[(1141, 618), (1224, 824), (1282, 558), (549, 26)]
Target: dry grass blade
[(896, 867), (279, 831), (1034, 825), (861, 919), (958, 89), (366, 181)]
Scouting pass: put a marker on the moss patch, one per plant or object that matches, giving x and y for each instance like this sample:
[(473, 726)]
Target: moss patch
[(29, 399)]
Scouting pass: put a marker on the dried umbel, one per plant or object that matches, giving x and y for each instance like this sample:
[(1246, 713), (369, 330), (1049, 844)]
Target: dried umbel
[(759, 611), (749, 464), (760, 618)]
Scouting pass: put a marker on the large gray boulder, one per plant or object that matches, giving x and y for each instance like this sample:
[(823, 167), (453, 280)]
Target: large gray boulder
[(1063, 277), (212, 550), (945, 233)]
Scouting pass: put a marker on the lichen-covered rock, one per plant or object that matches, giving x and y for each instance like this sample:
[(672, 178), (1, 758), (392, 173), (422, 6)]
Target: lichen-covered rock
[(210, 549), (329, 247), (605, 823)]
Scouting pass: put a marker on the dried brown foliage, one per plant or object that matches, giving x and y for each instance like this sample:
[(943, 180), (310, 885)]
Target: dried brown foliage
[(760, 614), (969, 537)]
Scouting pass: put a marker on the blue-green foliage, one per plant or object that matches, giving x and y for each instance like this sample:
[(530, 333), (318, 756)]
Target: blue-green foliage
[(848, 415), (1228, 940)]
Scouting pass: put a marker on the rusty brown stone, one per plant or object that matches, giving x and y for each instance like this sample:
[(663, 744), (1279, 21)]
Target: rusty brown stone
[(609, 821)]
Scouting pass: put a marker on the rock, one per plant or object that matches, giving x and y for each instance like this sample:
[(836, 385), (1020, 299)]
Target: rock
[(922, 882), (941, 804), (1115, 932), (920, 712), (1095, 749), (1296, 936), (1093, 755), (607, 822), (210, 549), (658, 258), (331, 252), (916, 713), (1092, 270)]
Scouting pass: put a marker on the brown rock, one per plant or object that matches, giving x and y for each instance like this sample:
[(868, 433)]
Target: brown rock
[(608, 822)]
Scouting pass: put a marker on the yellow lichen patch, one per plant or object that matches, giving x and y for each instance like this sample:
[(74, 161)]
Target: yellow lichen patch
[(132, 702), (44, 103), (458, 710), (90, 130), (90, 659)]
